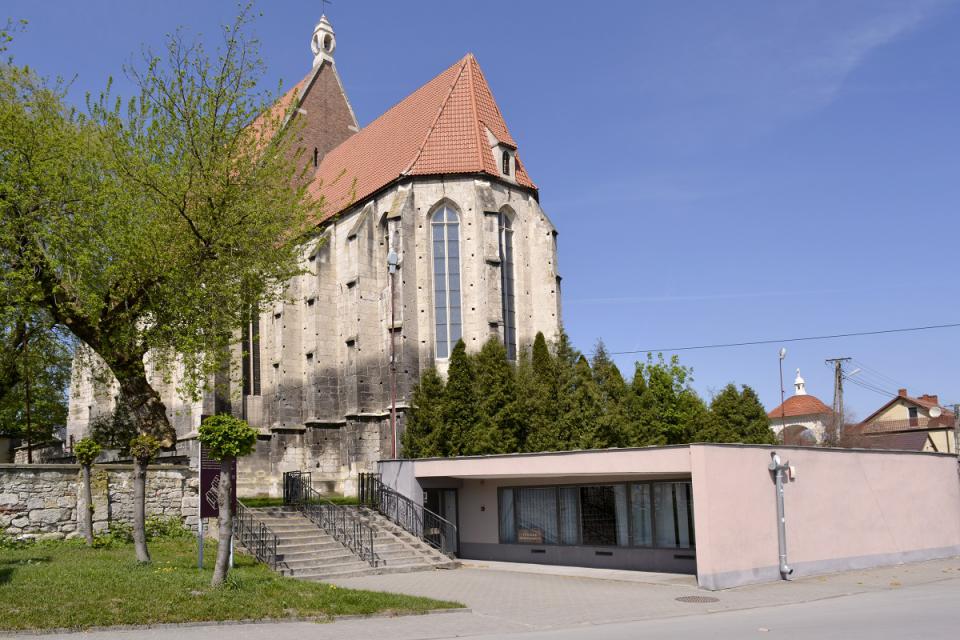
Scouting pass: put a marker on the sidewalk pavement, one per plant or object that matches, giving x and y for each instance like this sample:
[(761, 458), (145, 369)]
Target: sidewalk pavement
[(508, 598)]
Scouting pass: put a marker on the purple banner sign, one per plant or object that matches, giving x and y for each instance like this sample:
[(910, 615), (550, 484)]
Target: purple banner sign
[(210, 486)]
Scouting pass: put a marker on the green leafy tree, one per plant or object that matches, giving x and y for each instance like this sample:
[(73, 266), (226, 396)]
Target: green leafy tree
[(87, 451), (664, 408), (736, 416), (35, 375), (149, 226), (425, 432), (459, 401), (226, 438)]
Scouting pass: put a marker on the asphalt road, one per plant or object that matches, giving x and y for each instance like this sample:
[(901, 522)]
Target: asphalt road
[(929, 611)]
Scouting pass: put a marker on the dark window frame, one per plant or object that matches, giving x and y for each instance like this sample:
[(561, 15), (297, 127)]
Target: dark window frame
[(629, 484)]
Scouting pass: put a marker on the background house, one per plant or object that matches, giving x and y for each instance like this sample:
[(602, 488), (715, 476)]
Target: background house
[(908, 423)]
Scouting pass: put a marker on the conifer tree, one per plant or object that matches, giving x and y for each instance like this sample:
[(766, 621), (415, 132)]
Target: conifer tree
[(613, 423), (736, 416), (495, 430), (563, 396), (425, 435), (459, 401), (539, 391), (587, 409)]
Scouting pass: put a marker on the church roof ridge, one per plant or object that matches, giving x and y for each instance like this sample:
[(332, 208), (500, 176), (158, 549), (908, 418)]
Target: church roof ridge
[(436, 130)]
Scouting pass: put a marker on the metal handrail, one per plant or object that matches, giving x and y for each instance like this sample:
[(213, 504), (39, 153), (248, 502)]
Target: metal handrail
[(255, 536), (430, 527), (345, 526)]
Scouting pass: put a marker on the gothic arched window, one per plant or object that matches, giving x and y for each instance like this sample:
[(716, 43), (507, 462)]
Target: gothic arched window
[(506, 163), (506, 287), (446, 279)]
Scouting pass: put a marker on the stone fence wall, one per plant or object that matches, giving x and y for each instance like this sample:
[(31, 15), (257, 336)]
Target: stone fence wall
[(45, 500)]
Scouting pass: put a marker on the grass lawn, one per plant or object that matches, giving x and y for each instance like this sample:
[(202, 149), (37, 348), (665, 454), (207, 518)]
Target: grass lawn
[(66, 585)]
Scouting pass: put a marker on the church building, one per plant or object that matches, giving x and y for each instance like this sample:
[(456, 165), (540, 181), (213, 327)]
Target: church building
[(432, 233)]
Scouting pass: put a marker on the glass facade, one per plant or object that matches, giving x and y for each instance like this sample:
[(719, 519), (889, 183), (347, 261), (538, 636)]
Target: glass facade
[(640, 514), (446, 279)]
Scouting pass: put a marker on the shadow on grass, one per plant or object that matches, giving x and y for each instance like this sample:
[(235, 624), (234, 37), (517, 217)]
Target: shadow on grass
[(22, 561), (8, 567)]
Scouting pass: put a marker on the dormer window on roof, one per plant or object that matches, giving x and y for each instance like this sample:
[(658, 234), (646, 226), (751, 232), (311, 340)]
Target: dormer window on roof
[(506, 162)]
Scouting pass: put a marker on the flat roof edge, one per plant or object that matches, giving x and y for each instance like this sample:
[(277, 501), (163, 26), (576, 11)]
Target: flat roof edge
[(730, 445)]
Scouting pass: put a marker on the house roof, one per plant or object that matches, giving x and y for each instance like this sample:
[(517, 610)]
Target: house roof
[(800, 405), (907, 441), (924, 401), (439, 129)]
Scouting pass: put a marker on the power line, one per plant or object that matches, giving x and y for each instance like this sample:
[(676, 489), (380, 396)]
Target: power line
[(877, 373), (782, 340), (869, 387)]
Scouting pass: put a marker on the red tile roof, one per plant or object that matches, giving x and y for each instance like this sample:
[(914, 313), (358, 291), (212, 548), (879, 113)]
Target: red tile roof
[(799, 406), (438, 129)]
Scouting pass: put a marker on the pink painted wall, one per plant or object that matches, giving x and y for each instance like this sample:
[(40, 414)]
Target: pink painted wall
[(846, 510)]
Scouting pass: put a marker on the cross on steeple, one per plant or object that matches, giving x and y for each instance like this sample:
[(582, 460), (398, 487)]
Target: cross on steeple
[(323, 6)]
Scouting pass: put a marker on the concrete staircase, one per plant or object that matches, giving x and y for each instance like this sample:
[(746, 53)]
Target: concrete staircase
[(307, 552)]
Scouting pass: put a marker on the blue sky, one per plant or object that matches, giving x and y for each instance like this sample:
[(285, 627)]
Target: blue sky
[(718, 172)]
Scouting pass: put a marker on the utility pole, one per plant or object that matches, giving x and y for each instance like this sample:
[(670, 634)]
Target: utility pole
[(783, 408), (833, 438), (956, 432)]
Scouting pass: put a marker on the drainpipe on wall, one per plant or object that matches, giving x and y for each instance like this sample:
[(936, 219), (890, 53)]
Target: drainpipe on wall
[(780, 471)]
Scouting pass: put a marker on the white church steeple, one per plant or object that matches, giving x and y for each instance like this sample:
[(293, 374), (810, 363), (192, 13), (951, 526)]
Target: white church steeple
[(799, 385), (324, 42)]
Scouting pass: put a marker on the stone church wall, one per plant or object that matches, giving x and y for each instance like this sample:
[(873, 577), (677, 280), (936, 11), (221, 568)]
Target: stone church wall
[(45, 501), (325, 347)]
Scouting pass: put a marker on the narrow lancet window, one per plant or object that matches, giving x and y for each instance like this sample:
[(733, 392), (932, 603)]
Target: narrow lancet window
[(446, 279), (507, 287)]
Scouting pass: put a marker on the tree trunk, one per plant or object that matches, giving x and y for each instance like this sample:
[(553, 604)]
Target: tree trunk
[(150, 417), (146, 408), (87, 506), (139, 510), (226, 522)]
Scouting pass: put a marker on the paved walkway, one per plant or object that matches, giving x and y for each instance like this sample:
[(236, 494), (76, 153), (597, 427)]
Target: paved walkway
[(507, 599)]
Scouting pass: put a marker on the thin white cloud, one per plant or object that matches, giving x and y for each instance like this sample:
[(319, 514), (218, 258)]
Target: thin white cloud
[(840, 53), (710, 296)]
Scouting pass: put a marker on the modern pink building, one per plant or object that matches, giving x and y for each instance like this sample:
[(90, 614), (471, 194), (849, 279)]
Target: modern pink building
[(704, 509)]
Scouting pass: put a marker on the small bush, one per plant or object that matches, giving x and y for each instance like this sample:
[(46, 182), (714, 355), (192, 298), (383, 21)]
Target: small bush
[(9, 543), (166, 528), (157, 528)]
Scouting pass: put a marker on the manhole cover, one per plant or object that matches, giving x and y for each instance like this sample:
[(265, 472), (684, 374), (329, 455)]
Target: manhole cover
[(697, 599)]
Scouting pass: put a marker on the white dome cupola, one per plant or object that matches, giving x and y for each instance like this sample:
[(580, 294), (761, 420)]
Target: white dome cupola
[(324, 42), (800, 385)]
